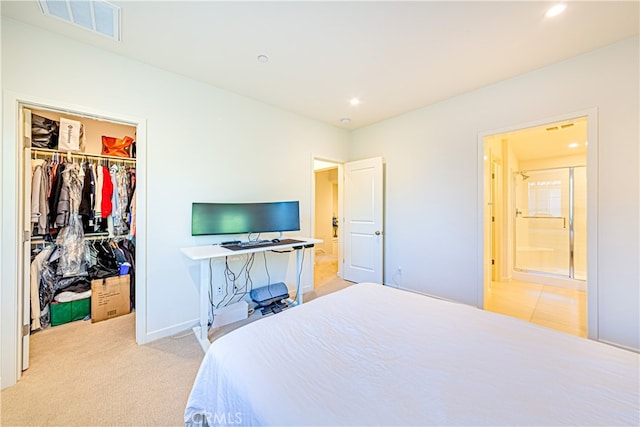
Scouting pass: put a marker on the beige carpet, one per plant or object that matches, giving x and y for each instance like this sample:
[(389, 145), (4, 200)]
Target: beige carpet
[(88, 374), (84, 374)]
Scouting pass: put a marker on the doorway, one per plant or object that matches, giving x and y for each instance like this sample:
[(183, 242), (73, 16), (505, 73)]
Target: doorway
[(536, 185), (16, 301), (326, 221)]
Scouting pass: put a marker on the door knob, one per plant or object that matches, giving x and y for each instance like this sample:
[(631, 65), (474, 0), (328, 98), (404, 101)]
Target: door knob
[(377, 233)]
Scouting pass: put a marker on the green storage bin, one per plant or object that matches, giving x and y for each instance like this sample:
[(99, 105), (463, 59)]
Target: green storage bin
[(65, 312)]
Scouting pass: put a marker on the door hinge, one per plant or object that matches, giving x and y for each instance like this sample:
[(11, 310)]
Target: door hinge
[(493, 262), (26, 330), (26, 236)]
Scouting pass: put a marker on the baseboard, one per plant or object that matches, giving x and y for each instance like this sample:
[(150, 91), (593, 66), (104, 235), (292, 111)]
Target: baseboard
[(169, 331)]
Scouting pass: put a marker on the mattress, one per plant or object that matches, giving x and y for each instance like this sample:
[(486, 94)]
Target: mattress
[(374, 355)]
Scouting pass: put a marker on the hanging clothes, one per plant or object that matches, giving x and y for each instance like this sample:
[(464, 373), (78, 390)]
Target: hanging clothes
[(56, 189), (39, 190), (121, 200), (73, 257), (107, 192), (98, 195), (35, 277), (69, 199), (70, 194), (104, 263), (86, 209), (129, 250), (132, 227), (52, 283)]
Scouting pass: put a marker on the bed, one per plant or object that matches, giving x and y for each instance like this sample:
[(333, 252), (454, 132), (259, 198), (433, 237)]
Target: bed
[(375, 355)]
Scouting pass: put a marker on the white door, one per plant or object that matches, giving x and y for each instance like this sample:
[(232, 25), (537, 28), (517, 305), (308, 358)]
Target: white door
[(363, 219)]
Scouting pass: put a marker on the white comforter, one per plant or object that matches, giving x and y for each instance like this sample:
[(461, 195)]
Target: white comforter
[(373, 355)]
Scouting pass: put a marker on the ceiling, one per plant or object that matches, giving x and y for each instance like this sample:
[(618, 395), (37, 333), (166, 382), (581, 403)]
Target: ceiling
[(394, 56), (548, 141)]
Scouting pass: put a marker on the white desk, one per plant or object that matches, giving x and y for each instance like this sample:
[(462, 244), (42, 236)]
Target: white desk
[(205, 253)]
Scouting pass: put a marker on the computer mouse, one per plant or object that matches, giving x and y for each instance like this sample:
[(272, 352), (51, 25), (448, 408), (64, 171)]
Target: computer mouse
[(275, 241)]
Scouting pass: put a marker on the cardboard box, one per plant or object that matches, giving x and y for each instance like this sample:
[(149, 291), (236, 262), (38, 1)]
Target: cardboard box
[(109, 298), (65, 312)]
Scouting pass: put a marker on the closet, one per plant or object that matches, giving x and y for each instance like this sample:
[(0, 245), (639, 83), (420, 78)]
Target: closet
[(78, 214)]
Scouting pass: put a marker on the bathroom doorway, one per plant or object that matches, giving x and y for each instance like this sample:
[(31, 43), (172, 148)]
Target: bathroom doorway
[(536, 224), (327, 221)]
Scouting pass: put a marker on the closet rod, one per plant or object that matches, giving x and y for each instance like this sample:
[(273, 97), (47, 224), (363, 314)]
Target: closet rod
[(121, 237), (37, 241), (68, 154)]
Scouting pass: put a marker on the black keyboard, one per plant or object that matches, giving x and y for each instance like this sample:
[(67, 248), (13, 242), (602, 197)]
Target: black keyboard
[(260, 244)]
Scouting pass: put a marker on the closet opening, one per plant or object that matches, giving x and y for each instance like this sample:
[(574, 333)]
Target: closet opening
[(77, 187)]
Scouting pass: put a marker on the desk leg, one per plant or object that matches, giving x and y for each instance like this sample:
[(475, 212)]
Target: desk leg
[(298, 275), (201, 332)]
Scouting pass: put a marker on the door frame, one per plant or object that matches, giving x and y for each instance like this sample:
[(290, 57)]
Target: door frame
[(484, 238), (340, 165), (11, 257)]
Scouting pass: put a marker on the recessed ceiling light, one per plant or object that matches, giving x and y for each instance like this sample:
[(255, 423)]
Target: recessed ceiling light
[(574, 145), (354, 101), (556, 10), (263, 58), (345, 120)]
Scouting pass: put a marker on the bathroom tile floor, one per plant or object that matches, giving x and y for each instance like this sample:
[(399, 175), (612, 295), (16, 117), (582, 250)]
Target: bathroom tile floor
[(550, 306)]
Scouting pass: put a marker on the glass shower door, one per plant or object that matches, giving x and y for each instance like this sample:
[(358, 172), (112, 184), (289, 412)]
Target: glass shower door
[(542, 228)]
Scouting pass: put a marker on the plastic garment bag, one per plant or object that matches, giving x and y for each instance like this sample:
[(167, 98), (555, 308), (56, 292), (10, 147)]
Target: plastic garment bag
[(73, 254)]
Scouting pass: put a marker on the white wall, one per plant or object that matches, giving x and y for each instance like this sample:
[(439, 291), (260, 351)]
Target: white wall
[(196, 137), (431, 158)]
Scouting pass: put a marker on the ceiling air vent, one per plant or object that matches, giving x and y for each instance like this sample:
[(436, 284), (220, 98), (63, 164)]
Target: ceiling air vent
[(98, 16)]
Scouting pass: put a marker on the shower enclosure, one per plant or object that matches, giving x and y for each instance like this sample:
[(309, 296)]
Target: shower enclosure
[(551, 222)]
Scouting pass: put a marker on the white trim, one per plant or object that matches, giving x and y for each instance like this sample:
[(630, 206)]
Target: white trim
[(181, 328), (10, 322), (592, 209), (11, 244)]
